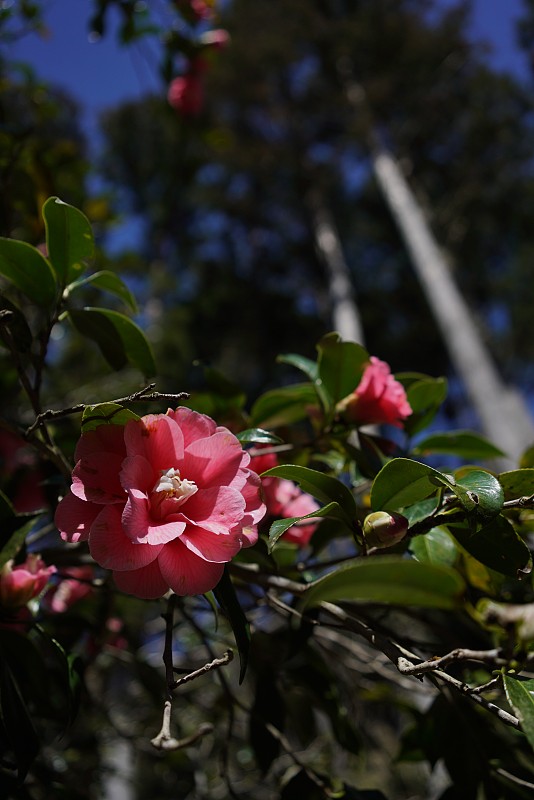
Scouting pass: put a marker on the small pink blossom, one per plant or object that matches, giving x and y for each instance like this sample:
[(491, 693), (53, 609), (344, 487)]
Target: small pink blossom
[(217, 38), (186, 93), (74, 586), (378, 398), (20, 583), (164, 502)]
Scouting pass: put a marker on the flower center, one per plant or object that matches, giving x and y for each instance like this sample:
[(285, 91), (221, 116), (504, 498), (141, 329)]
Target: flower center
[(174, 486)]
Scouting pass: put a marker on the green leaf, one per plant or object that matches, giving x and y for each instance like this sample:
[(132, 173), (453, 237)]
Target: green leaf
[(460, 443), (340, 368), (17, 326), (496, 545), (435, 547), (483, 489), (425, 396), (402, 482), (280, 526), (105, 414), (305, 365), (28, 270), (323, 487), (389, 579), (517, 483), (120, 340), (109, 282), (16, 540), (283, 406), (227, 599), (69, 239), (520, 695), (21, 735), (258, 436)]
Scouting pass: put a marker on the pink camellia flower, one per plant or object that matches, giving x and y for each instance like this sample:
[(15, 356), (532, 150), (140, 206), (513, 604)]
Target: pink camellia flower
[(186, 93), (74, 586), (378, 398), (19, 584), (285, 499), (164, 502)]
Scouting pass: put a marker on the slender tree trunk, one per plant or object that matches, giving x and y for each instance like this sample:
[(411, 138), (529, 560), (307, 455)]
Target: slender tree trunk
[(502, 412)]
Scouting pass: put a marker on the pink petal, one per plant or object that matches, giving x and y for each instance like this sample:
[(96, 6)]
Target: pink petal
[(146, 582), (185, 572), (74, 518), (142, 529), (214, 461), (209, 546), (193, 425), (217, 509), (96, 478), (112, 549), (138, 473), (104, 439), (158, 438), (251, 491)]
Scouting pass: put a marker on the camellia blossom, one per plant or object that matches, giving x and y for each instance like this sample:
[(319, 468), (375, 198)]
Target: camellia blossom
[(285, 499), (164, 502), (379, 398), (74, 585), (186, 93), (21, 583)]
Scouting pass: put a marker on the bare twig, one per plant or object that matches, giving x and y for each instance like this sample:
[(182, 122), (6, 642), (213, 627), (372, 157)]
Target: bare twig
[(520, 502), (215, 664), (491, 657), (164, 740)]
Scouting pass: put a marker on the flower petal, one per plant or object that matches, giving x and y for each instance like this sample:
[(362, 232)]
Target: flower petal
[(104, 439), (192, 424), (137, 473), (112, 549), (209, 546), (185, 572), (214, 461), (158, 438), (217, 509), (96, 478), (140, 528), (147, 582), (74, 518)]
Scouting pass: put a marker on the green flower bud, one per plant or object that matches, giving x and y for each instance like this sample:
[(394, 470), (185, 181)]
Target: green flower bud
[(384, 528)]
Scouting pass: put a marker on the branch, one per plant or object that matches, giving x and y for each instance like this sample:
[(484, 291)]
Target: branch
[(164, 740), (226, 658)]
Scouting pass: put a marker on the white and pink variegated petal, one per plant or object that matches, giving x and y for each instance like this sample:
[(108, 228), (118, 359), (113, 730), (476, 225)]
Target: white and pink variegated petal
[(217, 509), (158, 438), (252, 492), (96, 478), (146, 583), (140, 528), (185, 572), (74, 518), (112, 549), (192, 424), (214, 461), (104, 439), (216, 548), (138, 473)]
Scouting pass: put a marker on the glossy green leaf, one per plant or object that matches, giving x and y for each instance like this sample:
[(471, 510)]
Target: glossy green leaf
[(27, 269), (16, 540), (109, 282), (435, 547), (460, 443), (258, 436), (520, 695), (225, 595), (280, 526), (389, 579), (340, 367), (105, 414), (305, 365), (323, 487), (425, 397), (120, 340), (18, 330), (402, 482), (283, 406), (69, 239), (496, 545), (483, 489), (517, 483)]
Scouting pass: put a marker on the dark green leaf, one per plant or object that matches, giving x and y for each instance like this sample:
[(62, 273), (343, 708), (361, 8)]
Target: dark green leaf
[(280, 526), (16, 540), (120, 340), (283, 406), (105, 414), (482, 488), (16, 324), (425, 397), (460, 443), (227, 599), (301, 363), (402, 482), (21, 735), (69, 239), (258, 436), (323, 487), (496, 545), (520, 694), (389, 579), (435, 547), (109, 282), (28, 270), (517, 483), (340, 368)]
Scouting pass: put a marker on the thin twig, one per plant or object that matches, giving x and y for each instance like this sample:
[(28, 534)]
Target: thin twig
[(215, 664), (164, 740), (520, 502), (492, 657)]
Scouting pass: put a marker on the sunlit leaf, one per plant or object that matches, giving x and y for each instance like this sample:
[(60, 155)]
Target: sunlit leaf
[(460, 443), (435, 547), (425, 396), (105, 414), (340, 367), (517, 483), (69, 239), (323, 487), (28, 270), (520, 694), (109, 282), (402, 482), (280, 526), (258, 436), (484, 489), (305, 365)]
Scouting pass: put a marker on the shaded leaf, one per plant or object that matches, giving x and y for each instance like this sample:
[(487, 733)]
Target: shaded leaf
[(69, 239), (323, 487), (389, 579), (305, 365), (28, 270), (21, 735), (283, 406), (520, 694), (226, 597), (496, 545), (340, 368), (16, 323), (280, 526), (105, 414), (258, 436), (16, 540), (517, 483), (109, 282), (435, 547), (268, 707), (460, 443)]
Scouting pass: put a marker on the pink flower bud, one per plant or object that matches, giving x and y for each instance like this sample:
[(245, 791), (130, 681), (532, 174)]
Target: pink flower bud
[(18, 585), (384, 528), (378, 398), (217, 38), (186, 94)]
